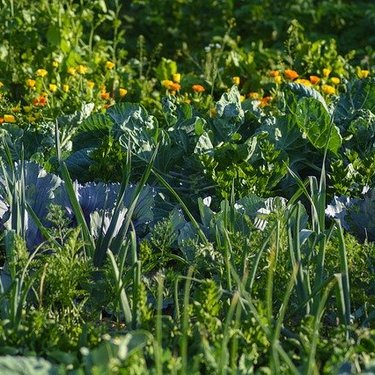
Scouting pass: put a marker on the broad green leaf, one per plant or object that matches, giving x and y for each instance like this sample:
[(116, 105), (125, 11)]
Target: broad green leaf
[(303, 91), (91, 131), (17, 365), (360, 95), (316, 125), (229, 114), (79, 163), (204, 144), (54, 35), (103, 6), (285, 134)]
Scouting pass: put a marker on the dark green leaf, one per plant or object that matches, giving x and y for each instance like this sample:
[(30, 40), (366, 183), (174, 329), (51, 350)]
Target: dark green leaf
[(315, 122)]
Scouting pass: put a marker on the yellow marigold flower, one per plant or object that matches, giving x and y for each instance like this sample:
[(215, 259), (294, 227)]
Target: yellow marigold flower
[(236, 80), (303, 81), (109, 65), (9, 118), (274, 73), (166, 83), (290, 74), (82, 69), (314, 79), (27, 108), (122, 92), (254, 95), (329, 90), (242, 98), (198, 88), (326, 72), (72, 71), (363, 73), (65, 88), (176, 77), (52, 87), (30, 83), (91, 84), (55, 63), (41, 73), (278, 80), (335, 80)]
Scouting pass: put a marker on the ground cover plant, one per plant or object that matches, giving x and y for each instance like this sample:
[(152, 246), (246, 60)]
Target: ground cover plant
[(192, 200)]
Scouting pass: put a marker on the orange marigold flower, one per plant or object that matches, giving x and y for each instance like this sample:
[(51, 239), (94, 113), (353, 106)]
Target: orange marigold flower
[(40, 101), (174, 87), (198, 88), (104, 95), (1, 120), (314, 79), (274, 73), (290, 74), (265, 101), (9, 118), (329, 90)]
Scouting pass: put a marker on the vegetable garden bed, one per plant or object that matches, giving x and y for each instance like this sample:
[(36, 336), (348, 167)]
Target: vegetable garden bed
[(200, 205)]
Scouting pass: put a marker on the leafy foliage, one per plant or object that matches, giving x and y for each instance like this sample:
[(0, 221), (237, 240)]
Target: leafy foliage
[(195, 237)]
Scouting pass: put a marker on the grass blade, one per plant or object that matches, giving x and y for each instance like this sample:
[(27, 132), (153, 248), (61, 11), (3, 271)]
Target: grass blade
[(183, 206), (124, 302), (89, 241)]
